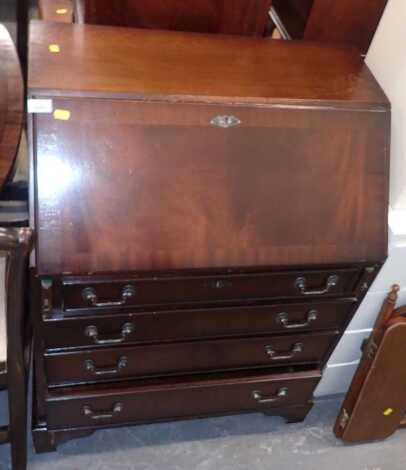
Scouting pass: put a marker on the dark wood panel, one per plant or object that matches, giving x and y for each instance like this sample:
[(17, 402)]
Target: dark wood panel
[(56, 10), (294, 15), (263, 193), (380, 405), (46, 440), (245, 17), (374, 406), (196, 67), (89, 293), (105, 364), (171, 400), (165, 325), (346, 21)]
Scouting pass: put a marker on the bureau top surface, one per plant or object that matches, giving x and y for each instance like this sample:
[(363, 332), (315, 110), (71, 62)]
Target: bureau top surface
[(134, 63)]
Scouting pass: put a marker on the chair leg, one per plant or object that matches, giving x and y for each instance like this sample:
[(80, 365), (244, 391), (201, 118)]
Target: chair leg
[(16, 372), (17, 399), (17, 242)]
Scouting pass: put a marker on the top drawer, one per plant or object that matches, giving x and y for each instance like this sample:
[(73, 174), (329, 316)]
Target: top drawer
[(105, 293)]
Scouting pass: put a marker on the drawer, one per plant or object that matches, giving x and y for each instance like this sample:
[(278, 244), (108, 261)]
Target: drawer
[(187, 357), (177, 398), (91, 293), (172, 325)]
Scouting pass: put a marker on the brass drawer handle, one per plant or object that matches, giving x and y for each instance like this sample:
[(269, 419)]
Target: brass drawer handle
[(92, 332), (90, 366), (283, 319), (98, 415), (225, 122), (300, 284), (261, 398), (296, 349), (89, 295)]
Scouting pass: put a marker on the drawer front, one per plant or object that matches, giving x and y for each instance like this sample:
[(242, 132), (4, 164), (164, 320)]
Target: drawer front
[(180, 398), (178, 358), (172, 325), (113, 294)]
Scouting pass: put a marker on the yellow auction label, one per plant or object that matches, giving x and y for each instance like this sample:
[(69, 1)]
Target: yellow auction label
[(54, 48), (61, 11), (388, 411), (62, 114)]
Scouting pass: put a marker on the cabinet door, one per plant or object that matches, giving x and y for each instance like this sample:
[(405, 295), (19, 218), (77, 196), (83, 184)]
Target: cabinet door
[(124, 185)]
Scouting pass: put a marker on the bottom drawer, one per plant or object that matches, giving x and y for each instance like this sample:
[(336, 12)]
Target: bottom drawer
[(159, 400)]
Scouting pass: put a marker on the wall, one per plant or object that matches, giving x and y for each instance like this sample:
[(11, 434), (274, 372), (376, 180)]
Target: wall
[(387, 60)]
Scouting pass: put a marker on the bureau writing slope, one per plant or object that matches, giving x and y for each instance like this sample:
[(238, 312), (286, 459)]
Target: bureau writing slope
[(209, 212)]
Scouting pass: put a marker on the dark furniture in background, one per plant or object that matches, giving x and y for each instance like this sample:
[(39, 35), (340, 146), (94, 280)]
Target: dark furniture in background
[(348, 21), (13, 195), (56, 10), (241, 17), (375, 404), (14, 13), (15, 243), (14, 249), (244, 17), (209, 213), (22, 11), (11, 106)]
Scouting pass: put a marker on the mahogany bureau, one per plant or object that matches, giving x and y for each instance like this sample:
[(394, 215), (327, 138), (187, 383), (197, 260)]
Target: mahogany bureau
[(209, 212)]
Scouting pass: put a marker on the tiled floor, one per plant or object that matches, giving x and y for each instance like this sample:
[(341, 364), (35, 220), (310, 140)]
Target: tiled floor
[(247, 442)]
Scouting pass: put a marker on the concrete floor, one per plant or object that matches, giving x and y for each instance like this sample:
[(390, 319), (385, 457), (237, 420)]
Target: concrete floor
[(253, 442)]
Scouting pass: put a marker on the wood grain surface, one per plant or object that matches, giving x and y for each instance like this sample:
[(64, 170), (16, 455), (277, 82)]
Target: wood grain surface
[(11, 104), (345, 21), (124, 185), (381, 404), (196, 67), (56, 10), (244, 17)]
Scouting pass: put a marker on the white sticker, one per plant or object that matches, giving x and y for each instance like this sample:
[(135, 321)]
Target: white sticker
[(35, 106)]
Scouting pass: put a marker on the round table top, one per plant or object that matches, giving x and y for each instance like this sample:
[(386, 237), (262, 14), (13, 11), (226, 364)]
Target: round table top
[(11, 104)]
